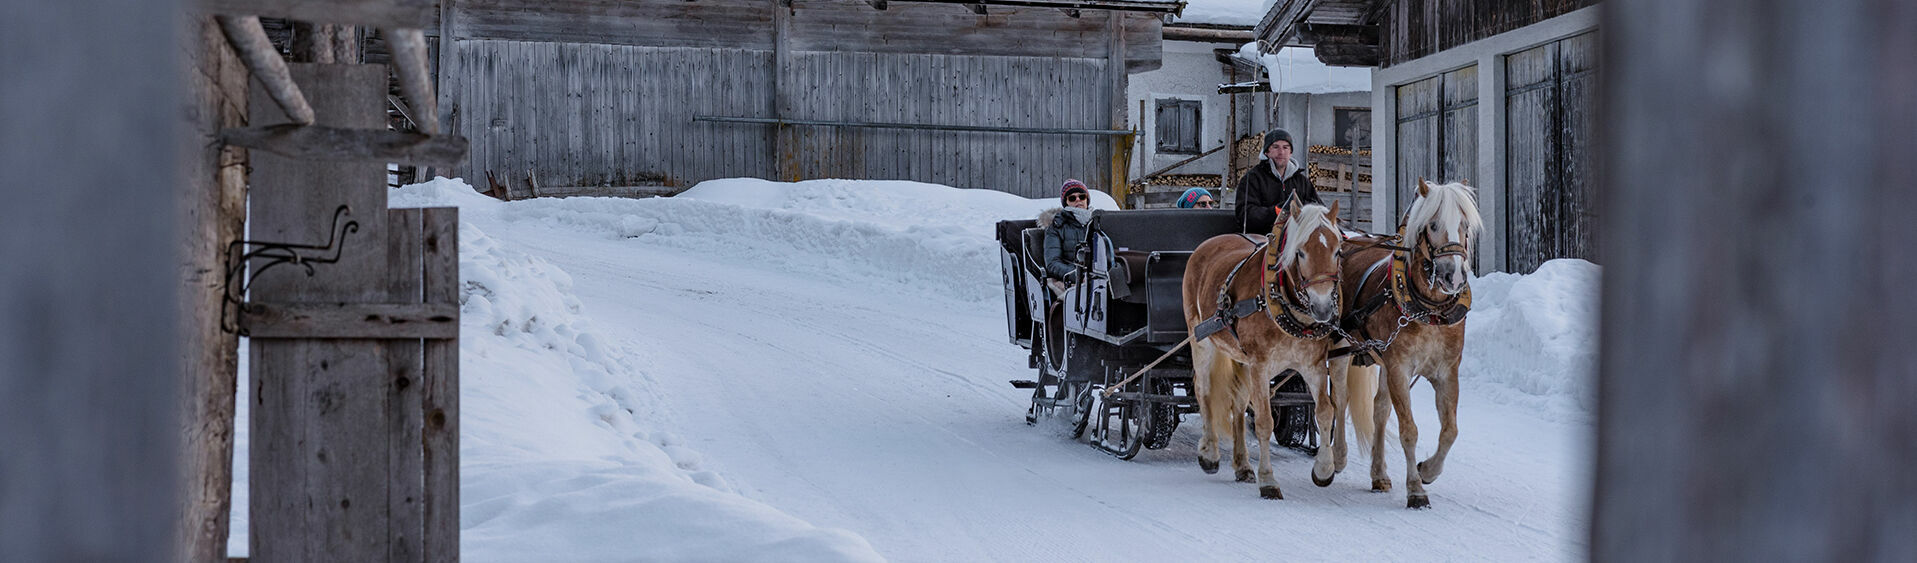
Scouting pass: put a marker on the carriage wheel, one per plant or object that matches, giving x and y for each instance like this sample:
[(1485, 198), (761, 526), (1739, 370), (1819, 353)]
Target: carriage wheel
[(1161, 420), (1297, 425)]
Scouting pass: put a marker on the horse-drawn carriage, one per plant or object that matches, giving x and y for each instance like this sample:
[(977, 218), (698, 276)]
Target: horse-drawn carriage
[(1120, 318)]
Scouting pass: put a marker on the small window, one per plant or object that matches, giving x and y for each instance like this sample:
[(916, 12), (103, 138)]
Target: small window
[(1178, 126)]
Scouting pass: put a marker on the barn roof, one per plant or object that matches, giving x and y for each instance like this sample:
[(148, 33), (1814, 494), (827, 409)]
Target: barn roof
[(1341, 32)]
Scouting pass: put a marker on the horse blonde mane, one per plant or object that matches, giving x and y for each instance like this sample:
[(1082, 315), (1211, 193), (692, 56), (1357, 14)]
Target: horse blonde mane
[(1449, 205), (1309, 219)]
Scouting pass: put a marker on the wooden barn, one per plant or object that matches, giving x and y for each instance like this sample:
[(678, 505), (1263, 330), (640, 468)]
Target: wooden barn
[(651, 96), (1500, 93)]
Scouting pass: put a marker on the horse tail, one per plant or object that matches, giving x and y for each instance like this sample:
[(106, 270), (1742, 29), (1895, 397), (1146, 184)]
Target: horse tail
[(1361, 388)]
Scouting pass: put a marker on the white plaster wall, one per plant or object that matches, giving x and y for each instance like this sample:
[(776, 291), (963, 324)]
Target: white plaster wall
[(1309, 117), (1190, 72)]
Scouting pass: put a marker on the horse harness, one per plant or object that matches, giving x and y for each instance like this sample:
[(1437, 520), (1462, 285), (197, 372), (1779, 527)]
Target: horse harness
[(1412, 305), (1275, 281)]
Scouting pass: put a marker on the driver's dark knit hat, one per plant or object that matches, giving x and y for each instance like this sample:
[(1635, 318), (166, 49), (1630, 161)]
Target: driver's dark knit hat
[(1279, 135)]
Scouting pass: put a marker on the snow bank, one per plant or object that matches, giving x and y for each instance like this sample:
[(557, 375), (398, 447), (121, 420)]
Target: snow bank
[(920, 237), (1296, 70), (1532, 336), (1536, 336), (561, 454), (561, 457)]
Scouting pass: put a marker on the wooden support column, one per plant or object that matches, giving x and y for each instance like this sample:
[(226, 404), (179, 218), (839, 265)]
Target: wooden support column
[(1755, 374), (1118, 147), (89, 379), (320, 456), (212, 214), (447, 85), (786, 145)]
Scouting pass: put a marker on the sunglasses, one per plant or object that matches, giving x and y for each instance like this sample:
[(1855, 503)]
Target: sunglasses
[(1205, 203), (1074, 197)]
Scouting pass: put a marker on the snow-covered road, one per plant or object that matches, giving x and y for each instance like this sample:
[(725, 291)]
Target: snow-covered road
[(881, 407)]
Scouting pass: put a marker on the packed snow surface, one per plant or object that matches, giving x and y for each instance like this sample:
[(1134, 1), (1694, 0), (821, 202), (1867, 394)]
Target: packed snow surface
[(816, 371)]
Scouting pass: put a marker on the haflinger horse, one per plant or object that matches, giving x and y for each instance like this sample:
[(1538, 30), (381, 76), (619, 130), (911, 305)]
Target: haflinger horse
[(1255, 307), (1408, 306)]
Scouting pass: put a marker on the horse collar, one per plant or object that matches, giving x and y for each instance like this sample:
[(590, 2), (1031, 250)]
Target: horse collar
[(1413, 304), (1292, 320)]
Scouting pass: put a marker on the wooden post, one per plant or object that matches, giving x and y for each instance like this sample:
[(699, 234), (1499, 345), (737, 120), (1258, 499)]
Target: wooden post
[(212, 214), (447, 86), (440, 373), (319, 477), (1115, 181), (89, 376), (1755, 371), (786, 143)]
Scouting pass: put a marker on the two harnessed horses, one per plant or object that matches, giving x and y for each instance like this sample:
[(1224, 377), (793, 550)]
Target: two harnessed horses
[(1405, 314)]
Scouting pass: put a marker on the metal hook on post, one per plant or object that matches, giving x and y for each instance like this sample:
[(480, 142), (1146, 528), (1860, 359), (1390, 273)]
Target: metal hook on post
[(239, 279)]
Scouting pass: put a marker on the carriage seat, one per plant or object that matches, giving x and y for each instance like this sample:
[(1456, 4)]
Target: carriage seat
[(1033, 243), (1128, 275)]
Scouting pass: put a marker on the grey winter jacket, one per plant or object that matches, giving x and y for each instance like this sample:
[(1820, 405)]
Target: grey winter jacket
[(1063, 234), (1261, 190)]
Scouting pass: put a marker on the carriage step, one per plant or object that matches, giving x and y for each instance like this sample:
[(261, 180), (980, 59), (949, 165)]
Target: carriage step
[(1024, 383)]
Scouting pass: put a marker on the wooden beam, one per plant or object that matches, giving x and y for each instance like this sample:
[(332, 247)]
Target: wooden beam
[(1281, 22), (211, 210), (1234, 36), (259, 56), (1311, 33), (416, 14), (1112, 5), (1763, 414), (1336, 54), (977, 8), (349, 320), (409, 64), (314, 142)]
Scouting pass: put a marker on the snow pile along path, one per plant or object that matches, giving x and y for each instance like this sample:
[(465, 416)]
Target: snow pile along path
[(909, 234), (560, 457), (1536, 335)]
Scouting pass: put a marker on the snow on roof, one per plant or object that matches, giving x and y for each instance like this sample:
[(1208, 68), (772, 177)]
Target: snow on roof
[(1296, 70), (1226, 12)]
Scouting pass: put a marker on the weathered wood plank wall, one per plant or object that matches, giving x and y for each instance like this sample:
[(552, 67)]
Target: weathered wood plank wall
[(1549, 108), (1755, 369), (1416, 28), (602, 93), (585, 115), (820, 25)]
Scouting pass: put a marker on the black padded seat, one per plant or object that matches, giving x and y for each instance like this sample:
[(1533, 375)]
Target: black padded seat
[(1163, 229), (1034, 244), (1130, 269)]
